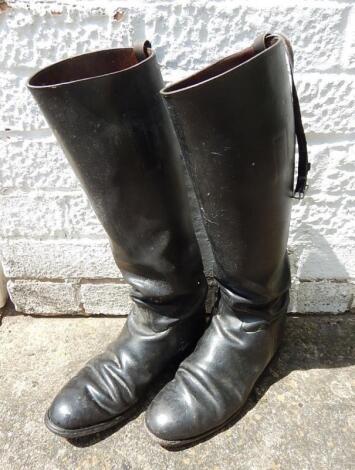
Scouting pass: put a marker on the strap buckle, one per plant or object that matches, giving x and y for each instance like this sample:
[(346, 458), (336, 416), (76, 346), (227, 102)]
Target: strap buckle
[(301, 186), (299, 195)]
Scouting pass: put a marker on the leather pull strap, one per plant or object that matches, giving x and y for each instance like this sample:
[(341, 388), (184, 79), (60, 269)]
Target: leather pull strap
[(259, 45), (141, 50)]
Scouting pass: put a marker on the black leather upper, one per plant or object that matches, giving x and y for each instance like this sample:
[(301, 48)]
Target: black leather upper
[(117, 136), (212, 384), (235, 124), (106, 111), (112, 382)]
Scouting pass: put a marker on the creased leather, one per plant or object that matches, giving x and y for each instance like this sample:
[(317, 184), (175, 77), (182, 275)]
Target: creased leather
[(213, 383), (236, 128), (106, 112), (114, 381)]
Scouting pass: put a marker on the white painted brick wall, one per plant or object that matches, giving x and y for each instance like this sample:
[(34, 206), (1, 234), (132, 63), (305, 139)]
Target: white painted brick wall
[(55, 254)]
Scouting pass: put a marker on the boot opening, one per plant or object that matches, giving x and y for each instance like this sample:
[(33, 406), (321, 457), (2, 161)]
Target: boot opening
[(213, 70), (85, 66)]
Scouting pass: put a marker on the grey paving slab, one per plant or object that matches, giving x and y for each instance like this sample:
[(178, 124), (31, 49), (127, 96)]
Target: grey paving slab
[(301, 415)]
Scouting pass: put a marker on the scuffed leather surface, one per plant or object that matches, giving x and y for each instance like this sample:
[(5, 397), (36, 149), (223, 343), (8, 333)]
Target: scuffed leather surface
[(213, 383), (112, 382), (118, 137), (237, 136)]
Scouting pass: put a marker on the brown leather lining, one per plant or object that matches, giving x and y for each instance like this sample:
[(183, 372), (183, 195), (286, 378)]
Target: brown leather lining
[(85, 66), (215, 69)]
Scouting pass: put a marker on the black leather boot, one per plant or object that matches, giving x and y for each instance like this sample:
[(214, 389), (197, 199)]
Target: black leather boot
[(236, 121), (106, 111)]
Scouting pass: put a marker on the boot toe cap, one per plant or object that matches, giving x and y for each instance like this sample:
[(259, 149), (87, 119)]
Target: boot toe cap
[(75, 412), (162, 422), (70, 411), (168, 417)]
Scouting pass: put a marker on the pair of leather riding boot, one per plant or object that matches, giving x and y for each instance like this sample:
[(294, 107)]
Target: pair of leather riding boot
[(235, 123)]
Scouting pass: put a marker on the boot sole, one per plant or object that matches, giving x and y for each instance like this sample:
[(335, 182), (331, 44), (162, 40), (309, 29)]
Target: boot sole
[(82, 432)]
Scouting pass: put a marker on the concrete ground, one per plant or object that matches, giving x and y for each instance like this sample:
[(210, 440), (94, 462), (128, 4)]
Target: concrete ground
[(301, 415)]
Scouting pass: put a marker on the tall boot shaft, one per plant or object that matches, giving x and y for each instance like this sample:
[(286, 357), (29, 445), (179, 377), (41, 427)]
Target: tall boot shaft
[(107, 114), (235, 122)]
